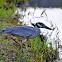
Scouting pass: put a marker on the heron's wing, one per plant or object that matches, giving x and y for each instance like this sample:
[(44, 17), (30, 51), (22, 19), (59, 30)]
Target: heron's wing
[(23, 31)]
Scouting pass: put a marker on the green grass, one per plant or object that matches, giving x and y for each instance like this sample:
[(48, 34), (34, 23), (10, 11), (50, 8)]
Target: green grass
[(36, 51)]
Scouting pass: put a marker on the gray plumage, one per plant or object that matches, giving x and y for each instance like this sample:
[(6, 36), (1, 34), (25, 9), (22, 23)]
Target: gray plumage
[(26, 31)]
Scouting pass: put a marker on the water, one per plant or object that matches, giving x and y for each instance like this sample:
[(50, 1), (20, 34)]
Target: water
[(46, 3), (52, 16)]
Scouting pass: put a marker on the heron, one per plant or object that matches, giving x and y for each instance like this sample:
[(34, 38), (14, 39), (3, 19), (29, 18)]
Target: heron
[(26, 32)]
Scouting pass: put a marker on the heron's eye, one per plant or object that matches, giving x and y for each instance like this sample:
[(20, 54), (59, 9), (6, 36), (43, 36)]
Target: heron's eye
[(40, 25)]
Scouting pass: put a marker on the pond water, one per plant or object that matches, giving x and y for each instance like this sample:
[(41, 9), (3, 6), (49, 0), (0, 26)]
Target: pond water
[(52, 17)]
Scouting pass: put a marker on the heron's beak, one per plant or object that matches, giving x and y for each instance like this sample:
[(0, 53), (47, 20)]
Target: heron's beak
[(48, 28)]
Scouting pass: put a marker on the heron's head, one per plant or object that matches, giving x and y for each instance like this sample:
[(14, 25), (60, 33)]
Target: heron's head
[(41, 25)]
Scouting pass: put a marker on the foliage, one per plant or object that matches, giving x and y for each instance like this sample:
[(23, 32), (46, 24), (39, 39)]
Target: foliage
[(60, 7), (35, 50), (36, 6), (3, 3)]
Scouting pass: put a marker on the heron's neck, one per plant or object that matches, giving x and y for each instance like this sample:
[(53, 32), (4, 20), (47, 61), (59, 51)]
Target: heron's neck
[(37, 30)]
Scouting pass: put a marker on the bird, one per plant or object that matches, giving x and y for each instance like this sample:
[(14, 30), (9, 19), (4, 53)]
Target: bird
[(26, 32)]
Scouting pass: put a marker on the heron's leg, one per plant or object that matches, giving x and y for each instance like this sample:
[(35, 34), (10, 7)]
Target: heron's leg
[(16, 42), (25, 41)]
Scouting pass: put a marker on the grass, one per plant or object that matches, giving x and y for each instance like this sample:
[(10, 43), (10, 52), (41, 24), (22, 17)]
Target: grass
[(37, 51)]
